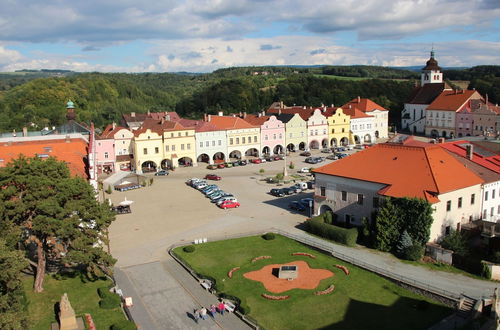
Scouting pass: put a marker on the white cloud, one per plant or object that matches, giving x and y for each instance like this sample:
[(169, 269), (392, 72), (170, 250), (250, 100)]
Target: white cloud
[(8, 56)]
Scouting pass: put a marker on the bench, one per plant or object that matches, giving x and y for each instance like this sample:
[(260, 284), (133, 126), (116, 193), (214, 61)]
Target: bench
[(230, 307)]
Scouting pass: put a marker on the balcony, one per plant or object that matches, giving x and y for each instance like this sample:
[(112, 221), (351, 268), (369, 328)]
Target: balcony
[(485, 228)]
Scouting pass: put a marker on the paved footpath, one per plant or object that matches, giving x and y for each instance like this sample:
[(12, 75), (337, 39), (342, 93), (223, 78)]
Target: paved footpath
[(165, 296)]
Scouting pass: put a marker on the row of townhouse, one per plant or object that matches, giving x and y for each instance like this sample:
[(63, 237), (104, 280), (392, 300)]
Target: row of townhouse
[(461, 180), (436, 110), (147, 142)]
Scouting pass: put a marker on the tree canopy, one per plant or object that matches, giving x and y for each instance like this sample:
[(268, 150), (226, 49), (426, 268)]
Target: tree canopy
[(60, 221)]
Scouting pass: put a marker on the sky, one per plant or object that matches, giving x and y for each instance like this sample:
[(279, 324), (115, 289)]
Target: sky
[(205, 35)]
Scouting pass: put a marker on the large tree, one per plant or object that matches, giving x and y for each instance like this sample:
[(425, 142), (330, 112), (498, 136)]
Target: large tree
[(60, 220), (12, 309)]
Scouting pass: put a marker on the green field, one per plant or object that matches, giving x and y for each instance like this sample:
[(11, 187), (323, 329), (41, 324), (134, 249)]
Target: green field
[(361, 300), (82, 296)]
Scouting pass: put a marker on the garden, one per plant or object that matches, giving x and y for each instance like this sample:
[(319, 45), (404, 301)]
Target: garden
[(350, 298)]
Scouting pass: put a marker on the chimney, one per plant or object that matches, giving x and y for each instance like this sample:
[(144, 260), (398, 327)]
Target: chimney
[(114, 125), (486, 99), (149, 113), (433, 141), (304, 107), (333, 105), (68, 139), (220, 113), (469, 151), (279, 111), (441, 140), (359, 99), (281, 105), (14, 133), (259, 114), (25, 131), (244, 114), (263, 113), (167, 117), (132, 114), (209, 118), (350, 106), (205, 118)]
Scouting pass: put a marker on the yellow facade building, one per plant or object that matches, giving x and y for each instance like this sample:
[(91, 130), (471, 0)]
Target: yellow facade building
[(338, 127)]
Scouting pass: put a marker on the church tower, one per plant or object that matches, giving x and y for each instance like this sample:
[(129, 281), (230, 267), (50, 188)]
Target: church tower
[(70, 111), (432, 72)]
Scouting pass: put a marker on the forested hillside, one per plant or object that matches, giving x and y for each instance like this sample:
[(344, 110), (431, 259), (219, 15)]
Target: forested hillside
[(104, 97)]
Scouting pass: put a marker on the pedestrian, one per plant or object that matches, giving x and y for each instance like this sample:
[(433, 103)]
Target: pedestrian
[(213, 310), (222, 307), (196, 315), (203, 313)]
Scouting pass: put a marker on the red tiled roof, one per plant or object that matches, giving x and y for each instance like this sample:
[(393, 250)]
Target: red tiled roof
[(72, 151), (304, 113), (407, 171), (426, 94), (256, 120), (452, 100), (159, 126), (458, 147), (229, 122), (355, 113), (109, 132), (363, 104)]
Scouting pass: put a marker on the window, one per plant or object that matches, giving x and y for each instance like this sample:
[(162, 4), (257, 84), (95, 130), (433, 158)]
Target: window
[(186, 133), (448, 206), (243, 140), (281, 136), (344, 195), (182, 146), (201, 144), (231, 141), (485, 195), (157, 150), (493, 194), (343, 129), (173, 147), (220, 142), (106, 155), (167, 147), (189, 146), (333, 130), (207, 144), (171, 134), (213, 143), (447, 230), (472, 199), (360, 199), (179, 134), (460, 202), (237, 140), (484, 214), (274, 136), (145, 151), (375, 202), (324, 131), (492, 211), (323, 191), (255, 138)]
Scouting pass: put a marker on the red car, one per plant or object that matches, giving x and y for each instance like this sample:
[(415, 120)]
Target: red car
[(213, 177), (256, 161), (221, 165), (229, 205)]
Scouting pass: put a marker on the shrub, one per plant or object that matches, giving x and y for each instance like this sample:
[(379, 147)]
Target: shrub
[(485, 270), (413, 253), (123, 325), (188, 249), (110, 301), (457, 242), (404, 243), (261, 171), (151, 181), (496, 257), (268, 236), (292, 166), (103, 292), (345, 236), (329, 217), (279, 176)]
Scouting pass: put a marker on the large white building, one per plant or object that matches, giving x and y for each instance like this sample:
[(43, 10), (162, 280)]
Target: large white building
[(353, 187)]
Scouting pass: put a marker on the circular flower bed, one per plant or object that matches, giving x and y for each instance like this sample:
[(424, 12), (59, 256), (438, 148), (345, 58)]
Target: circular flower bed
[(230, 274), (326, 291), (344, 269), (304, 254), (260, 258), (271, 297)]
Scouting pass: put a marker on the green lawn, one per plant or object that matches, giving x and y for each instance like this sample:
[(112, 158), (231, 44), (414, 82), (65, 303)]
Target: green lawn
[(82, 296), (361, 300)]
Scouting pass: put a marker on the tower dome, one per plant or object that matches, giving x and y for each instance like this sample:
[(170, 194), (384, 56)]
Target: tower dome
[(70, 111), (432, 64), (70, 105)]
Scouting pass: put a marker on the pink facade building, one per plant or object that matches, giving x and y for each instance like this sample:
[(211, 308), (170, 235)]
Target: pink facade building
[(272, 132), (105, 151), (464, 121)]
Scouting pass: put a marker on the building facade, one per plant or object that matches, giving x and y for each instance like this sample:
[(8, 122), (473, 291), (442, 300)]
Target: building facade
[(272, 132), (339, 127)]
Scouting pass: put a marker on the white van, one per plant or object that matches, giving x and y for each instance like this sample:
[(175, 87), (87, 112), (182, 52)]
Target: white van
[(301, 185)]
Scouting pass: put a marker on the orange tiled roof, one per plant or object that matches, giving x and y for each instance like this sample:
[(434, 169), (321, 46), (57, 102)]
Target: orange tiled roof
[(229, 122), (109, 132), (256, 120), (72, 151), (355, 113), (406, 171), (451, 100), (159, 126), (365, 105)]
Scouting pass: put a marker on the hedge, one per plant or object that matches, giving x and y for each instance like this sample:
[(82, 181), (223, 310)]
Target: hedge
[(124, 325), (110, 301), (188, 249), (345, 236), (268, 236)]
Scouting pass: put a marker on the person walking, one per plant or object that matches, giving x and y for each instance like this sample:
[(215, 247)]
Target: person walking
[(213, 310), (222, 307), (196, 315), (203, 313)]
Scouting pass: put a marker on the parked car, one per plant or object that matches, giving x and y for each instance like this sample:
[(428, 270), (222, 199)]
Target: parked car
[(243, 162), (342, 155), (216, 195), (228, 165), (121, 209), (225, 198), (229, 205), (358, 146), (339, 149), (269, 159), (277, 192), (305, 153), (326, 151), (301, 185), (305, 170), (295, 189), (289, 191), (213, 177), (306, 201), (296, 206), (161, 173), (236, 163), (278, 157), (332, 157), (221, 165), (256, 161), (212, 167)]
